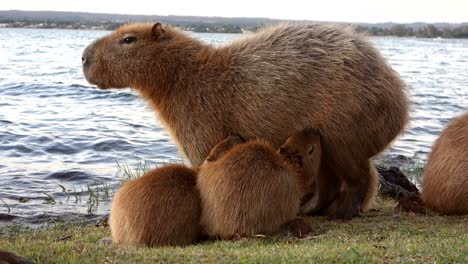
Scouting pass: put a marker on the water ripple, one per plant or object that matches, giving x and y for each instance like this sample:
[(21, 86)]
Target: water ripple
[(70, 175)]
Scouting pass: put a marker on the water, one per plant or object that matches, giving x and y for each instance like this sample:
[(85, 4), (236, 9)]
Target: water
[(56, 130)]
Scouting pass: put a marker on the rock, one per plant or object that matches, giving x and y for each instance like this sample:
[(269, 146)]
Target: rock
[(7, 217), (103, 221), (394, 184)]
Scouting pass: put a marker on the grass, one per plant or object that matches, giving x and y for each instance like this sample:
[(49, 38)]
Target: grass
[(381, 236)]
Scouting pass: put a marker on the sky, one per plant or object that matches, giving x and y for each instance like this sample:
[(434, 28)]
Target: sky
[(372, 11)]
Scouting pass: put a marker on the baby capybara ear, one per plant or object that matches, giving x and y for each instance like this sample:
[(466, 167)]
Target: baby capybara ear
[(310, 149), (157, 31), (223, 147)]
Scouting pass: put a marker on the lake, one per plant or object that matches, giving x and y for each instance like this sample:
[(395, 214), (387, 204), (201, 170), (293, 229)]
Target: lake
[(61, 140)]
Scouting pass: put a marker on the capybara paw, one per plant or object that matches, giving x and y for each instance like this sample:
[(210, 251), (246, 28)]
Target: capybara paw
[(344, 215), (345, 212), (412, 204), (299, 228)]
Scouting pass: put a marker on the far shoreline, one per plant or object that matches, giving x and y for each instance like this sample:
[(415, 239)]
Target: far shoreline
[(398, 31)]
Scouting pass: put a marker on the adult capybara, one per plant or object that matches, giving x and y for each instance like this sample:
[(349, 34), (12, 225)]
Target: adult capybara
[(268, 85), (249, 190), (161, 208), (445, 178)]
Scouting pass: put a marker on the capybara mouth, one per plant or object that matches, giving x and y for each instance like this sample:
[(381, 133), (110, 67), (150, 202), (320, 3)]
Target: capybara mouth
[(99, 85), (102, 86)]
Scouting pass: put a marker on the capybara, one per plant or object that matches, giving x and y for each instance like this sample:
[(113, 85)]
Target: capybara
[(160, 208), (304, 150), (445, 178), (7, 257), (249, 190), (223, 147), (269, 85)]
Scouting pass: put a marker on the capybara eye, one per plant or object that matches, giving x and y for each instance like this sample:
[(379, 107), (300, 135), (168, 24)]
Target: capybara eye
[(128, 40)]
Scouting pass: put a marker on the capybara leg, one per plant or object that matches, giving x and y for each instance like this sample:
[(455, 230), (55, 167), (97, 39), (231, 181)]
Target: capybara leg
[(356, 179), (328, 188), (299, 228), (369, 199)]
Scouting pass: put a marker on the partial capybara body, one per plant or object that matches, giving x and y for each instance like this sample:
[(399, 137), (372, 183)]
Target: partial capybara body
[(223, 147), (249, 190), (445, 178), (7, 257), (267, 85), (304, 149), (161, 208)]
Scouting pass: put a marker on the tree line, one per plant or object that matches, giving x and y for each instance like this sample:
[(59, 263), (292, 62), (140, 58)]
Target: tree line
[(398, 30), (427, 31)]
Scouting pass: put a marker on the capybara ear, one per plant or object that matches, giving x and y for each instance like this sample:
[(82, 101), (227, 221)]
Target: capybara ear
[(158, 32)]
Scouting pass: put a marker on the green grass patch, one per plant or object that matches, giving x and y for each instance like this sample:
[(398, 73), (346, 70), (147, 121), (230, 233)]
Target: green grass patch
[(381, 236)]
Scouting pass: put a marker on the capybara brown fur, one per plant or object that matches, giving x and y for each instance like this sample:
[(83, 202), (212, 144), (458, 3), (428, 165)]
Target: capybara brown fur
[(304, 150), (270, 84), (7, 257), (160, 208), (223, 147), (249, 190), (445, 178), (322, 190)]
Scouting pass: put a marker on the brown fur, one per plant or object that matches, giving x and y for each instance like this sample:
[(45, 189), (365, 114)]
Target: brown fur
[(321, 189), (223, 147), (267, 85), (304, 149), (445, 178), (161, 208), (7, 257), (250, 190)]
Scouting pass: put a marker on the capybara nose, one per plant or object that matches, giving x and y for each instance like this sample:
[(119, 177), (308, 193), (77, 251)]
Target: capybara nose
[(282, 151)]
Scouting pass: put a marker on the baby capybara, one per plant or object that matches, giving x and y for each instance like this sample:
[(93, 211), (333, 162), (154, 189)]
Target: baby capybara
[(445, 178), (161, 208), (322, 189), (249, 190), (304, 150)]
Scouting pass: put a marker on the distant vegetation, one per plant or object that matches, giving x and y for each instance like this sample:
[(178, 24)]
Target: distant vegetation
[(428, 31), (80, 20)]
